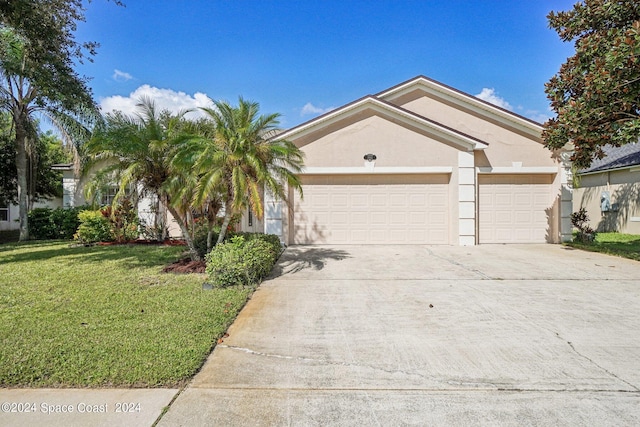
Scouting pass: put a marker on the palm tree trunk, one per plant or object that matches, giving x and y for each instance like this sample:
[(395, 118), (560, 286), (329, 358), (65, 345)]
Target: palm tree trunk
[(225, 223), (209, 238), (185, 233), (22, 170), (164, 203)]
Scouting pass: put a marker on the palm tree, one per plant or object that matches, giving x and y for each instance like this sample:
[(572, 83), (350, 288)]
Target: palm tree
[(63, 100), (136, 152), (242, 157)]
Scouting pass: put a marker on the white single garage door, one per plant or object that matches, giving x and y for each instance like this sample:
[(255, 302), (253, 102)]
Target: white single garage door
[(514, 208), (372, 209)]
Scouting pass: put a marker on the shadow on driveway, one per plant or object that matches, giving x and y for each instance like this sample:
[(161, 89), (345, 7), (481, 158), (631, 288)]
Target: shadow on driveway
[(298, 258)]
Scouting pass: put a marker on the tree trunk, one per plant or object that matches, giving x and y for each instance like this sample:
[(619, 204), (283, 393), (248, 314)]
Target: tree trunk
[(227, 219), (185, 233), (209, 238), (164, 203), (22, 170)]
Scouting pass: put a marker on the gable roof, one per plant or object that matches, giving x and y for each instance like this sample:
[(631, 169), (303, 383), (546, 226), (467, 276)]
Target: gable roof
[(387, 108), (615, 158), (383, 103), (459, 98)]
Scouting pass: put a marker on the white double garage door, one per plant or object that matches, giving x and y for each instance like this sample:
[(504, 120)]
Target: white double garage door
[(415, 209)]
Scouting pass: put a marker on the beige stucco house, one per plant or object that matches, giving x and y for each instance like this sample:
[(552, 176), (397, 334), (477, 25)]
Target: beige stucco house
[(423, 163), (610, 190)]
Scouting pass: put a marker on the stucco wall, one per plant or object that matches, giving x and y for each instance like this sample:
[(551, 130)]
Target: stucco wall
[(624, 189), (506, 144), (12, 223), (392, 143)]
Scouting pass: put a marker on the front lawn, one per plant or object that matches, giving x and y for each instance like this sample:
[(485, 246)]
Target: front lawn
[(624, 245), (105, 316)]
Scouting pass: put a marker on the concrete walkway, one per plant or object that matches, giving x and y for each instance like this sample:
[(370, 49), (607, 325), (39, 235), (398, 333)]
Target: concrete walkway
[(418, 335), (404, 335)]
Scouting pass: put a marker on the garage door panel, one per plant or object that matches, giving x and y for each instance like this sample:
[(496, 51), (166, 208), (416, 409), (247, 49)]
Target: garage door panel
[(378, 200), (341, 218), (372, 210), (513, 208), (417, 201), (377, 218)]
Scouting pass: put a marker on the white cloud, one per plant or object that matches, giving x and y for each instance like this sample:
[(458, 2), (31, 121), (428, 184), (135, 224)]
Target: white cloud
[(489, 95), (121, 76), (165, 99), (310, 109), (537, 116)]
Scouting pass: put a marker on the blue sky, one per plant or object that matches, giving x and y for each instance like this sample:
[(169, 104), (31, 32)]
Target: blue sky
[(301, 58)]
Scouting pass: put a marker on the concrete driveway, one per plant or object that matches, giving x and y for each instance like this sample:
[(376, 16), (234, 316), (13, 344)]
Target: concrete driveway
[(423, 335)]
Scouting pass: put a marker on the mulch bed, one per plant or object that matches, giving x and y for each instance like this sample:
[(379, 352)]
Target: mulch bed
[(185, 266)]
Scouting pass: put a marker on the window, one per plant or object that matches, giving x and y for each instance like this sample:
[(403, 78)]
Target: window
[(4, 212), (108, 195)]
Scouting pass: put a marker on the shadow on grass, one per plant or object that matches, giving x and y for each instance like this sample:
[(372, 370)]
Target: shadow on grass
[(67, 252), (9, 236), (298, 258)]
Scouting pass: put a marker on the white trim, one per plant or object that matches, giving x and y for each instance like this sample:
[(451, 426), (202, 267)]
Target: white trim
[(369, 102), (518, 170), (379, 170), (459, 98), (634, 168)]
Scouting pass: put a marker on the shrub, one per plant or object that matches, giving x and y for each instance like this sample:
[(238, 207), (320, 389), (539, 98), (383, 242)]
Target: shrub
[(40, 225), (46, 223), (244, 260), (123, 221), (94, 227), (271, 239), (580, 220)]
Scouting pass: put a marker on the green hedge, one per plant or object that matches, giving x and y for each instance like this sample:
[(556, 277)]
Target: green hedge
[(47, 223), (245, 260)]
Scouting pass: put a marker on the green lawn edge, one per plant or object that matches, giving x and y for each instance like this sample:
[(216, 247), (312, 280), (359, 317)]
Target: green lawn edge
[(105, 316), (617, 244)]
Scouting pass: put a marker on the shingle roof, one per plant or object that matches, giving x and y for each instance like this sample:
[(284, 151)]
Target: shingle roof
[(616, 158)]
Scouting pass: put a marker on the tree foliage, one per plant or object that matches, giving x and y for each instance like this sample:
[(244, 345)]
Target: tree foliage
[(596, 93), (42, 181), (241, 157), (135, 152), (38, 51)]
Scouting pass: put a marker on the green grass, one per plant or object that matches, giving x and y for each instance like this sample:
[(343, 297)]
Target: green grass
[(624, 245), (105, 316)]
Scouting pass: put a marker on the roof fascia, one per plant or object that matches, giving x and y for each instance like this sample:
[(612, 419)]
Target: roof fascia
[(622, 168), (460, 98)]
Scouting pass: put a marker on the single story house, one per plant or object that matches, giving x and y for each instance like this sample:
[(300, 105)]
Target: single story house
[(423, 163), (418, 163), (610, 190)]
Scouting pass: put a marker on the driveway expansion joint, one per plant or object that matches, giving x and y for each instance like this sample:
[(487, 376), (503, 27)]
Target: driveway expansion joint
[(329, 363)]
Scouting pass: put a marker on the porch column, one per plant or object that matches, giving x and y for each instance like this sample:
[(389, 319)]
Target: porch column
[(466, 199), (273, 215)]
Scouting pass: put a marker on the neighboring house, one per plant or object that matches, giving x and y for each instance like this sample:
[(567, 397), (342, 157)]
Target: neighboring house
[(610, 190), (423, 163), (9, 213)]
